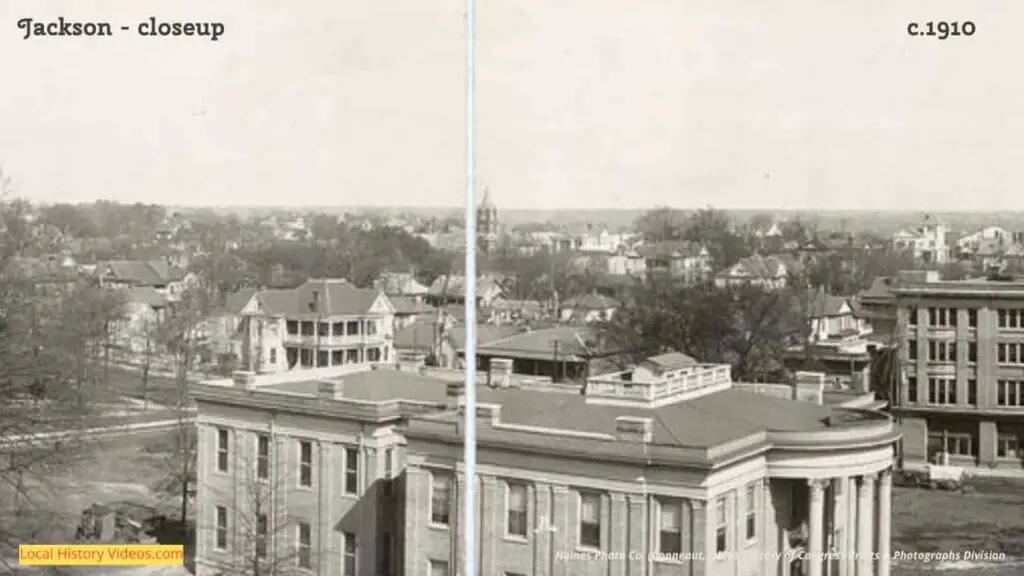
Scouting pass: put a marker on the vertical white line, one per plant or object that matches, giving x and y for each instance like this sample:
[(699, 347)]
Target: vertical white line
[(469, 446)]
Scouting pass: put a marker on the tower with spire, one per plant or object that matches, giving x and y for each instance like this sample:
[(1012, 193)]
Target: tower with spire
[(486, 223)]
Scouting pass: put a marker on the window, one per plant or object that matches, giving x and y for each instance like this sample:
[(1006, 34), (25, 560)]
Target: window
[(371, 327), (517, 501), (942, 390), (349, 546), (307, 328), (942, 317), (262, 457), (972, 392), (351, 356), (293, 327), (941, 351), (262, 528), (751, 502), (670, 527), (1008, 446), (305, 463), (337, 357), (222, 450), (373, 355), (322, 357), (912, 316), (972, 317), (721, 525), (1010, 353), (323, 329), (912, 349), (972, 352), (1013, 319), (351, 470), (338, 329), (912, 389), (221, 542), (440, 499), (304, 546), (1009, 393), (273, 355), (306, 357), (438, 568), (352, 329), (590, 520)]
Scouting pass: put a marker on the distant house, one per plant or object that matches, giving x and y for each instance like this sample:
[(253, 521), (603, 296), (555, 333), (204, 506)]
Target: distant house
[(560, 353), (588, 308), (432, 338), (928, 243), (771, 272), (401, 284), (877, 305), (833, 316), (156, 274), (625, 262), (452, 290), (144, 310), (689, 261), (409, 309)]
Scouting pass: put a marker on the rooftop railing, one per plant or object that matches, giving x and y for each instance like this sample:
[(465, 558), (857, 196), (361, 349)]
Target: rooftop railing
[(700, 377)]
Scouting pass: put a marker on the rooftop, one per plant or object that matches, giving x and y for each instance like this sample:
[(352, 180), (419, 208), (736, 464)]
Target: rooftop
[(692, 415)]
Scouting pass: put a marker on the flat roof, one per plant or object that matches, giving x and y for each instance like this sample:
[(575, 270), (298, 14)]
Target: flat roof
[(703, 422), (969, 287), (375, 386)]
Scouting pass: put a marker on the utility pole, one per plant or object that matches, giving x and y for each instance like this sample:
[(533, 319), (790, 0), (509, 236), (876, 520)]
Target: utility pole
[(554, 367)]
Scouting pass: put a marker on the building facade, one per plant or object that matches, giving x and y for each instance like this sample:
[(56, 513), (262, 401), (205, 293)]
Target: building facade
[(962, 392), (359, 472)]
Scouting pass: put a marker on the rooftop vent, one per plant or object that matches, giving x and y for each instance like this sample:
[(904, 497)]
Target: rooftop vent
[(243, 379), (330, 389), (634, 429)]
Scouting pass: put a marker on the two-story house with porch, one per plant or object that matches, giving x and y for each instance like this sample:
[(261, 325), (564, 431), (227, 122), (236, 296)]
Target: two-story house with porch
[(323, 322)]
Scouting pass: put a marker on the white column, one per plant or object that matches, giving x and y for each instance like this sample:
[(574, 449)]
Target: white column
[(865, 519), (850, 560), (816, 520), (884, 521)]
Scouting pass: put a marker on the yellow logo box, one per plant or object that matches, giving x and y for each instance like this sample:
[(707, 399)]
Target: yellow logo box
[(101, 555)]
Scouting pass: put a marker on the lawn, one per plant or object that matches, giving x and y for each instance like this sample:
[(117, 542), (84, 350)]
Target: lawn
[(991, 519), (110, 470)]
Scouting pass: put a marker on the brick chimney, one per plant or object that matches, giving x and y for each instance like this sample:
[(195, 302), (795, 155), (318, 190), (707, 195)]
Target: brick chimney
[(499, 373), (243, 379), (809, 387), (634, 429), (330, 389)]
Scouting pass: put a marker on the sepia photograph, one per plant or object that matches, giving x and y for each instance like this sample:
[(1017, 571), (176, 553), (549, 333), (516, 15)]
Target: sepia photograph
[(511, 288)]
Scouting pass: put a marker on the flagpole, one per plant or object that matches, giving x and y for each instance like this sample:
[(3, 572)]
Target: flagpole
[(469, 530)]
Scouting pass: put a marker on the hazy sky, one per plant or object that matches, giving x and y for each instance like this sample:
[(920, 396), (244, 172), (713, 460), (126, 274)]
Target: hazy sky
[(581, 103)]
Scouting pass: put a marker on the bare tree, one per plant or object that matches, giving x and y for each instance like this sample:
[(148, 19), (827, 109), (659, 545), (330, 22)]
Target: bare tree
[(51, 333), (182, 340), (256, 536)]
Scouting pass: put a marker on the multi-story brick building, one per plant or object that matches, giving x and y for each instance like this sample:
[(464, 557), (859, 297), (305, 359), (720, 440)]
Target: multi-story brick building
[(322, 323), (637, 473), (962, 392)]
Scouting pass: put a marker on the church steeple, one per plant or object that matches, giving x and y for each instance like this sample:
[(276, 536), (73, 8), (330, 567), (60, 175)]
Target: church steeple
[(486, 223)]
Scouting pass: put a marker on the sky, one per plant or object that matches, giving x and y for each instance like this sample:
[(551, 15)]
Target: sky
[(796, 104)]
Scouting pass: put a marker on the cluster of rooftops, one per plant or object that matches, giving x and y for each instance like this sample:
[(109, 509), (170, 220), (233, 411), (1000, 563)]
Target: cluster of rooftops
[(669, 406)]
